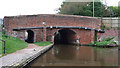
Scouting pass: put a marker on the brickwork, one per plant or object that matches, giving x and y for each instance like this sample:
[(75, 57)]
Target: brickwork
[(110, 33), (52, 20), (84, 36), (21, 34)]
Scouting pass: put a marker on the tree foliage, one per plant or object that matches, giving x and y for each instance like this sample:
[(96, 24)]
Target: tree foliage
[(115, 11), (86, 9)]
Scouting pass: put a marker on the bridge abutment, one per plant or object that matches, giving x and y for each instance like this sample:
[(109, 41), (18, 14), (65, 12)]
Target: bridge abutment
[(92, 36)]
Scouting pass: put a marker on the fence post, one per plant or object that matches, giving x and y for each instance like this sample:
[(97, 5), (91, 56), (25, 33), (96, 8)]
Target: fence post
[(4, 47), (4, 44)]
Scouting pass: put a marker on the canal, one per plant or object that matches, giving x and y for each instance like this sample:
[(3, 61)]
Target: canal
[(72, 55)]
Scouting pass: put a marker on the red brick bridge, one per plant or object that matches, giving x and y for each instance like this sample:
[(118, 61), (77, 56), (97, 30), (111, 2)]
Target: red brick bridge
[(53, 27)]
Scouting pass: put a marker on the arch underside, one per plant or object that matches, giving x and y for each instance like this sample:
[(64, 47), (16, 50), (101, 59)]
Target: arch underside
[(30, 36), (64, 36)]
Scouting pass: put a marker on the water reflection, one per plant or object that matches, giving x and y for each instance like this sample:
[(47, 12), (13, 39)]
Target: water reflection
[(72, 55), (64, 53)]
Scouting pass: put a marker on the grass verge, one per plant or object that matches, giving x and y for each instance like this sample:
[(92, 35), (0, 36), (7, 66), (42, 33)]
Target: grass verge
[(42, 43), (106, 43), (13, 44), (102, 43)]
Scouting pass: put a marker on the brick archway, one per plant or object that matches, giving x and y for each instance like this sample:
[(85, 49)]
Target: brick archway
[(65, 36), (30, 36)]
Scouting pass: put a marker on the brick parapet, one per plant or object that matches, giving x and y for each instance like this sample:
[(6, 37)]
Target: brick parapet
[(52, 20)]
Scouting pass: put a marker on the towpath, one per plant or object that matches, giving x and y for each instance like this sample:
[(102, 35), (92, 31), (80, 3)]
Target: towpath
[(19, 56)]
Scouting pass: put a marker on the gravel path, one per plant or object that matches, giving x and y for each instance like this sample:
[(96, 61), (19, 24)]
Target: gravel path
[(19, 56)]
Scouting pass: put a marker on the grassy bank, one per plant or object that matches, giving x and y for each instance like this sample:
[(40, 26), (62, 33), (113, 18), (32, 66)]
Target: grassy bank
[(13, 44), (102, 43), (42, 43), (106, 43)]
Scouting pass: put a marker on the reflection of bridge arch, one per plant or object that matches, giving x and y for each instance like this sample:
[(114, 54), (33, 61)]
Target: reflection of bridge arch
[(30, 36), (65, 36)]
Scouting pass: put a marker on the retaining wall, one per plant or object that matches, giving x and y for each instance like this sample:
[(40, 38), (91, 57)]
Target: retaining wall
[(112, 22)]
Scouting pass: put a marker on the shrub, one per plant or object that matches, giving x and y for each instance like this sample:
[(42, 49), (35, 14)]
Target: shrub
[(104, 43), (105, 27), (108, 38)]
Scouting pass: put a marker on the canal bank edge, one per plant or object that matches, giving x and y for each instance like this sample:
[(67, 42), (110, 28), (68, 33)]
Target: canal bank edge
[(25, 61)]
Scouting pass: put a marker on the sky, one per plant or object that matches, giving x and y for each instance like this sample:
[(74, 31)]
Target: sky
[(30, 7)]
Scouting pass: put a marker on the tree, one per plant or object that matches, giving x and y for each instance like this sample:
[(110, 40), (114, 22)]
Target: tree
[(115, 11), (84, 9), (74, 8)]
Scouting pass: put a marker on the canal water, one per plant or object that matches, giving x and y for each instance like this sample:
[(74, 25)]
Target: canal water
[(72, 55)]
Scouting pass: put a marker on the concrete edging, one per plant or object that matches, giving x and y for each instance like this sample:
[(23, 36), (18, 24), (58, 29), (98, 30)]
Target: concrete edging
[(25, 61)]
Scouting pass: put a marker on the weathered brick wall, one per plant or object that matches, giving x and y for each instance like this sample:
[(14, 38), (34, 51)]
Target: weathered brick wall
[(109, 33), (84, 36), (51, 20)]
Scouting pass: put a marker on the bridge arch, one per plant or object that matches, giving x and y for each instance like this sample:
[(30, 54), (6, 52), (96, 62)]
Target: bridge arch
[(29, 36), (65, 36)]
